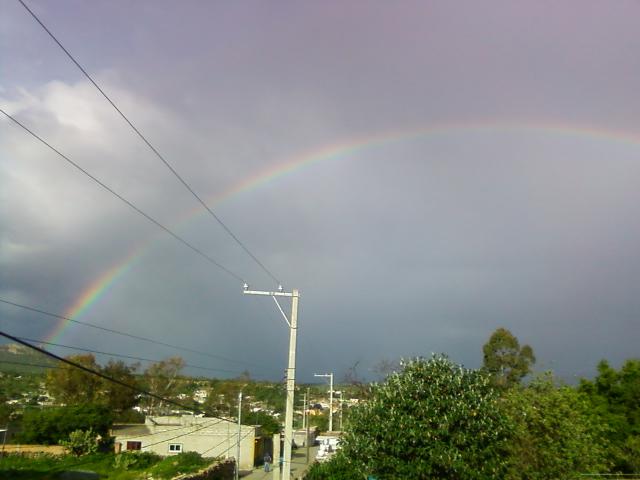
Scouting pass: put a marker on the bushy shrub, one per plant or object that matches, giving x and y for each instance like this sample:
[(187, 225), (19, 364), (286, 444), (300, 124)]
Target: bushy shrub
[(556, 434), (81, 442), (135, 460), (50, 426), (432, 419)]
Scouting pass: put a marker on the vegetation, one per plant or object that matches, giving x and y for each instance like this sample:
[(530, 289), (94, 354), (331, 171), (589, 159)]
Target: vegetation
[(81, 442), (124, 466), (432, 419), (52, 425), (614, 396), (556, 434), (505, 360)]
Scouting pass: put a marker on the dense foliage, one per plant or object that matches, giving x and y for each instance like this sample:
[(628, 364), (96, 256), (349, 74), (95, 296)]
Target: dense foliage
[(505, 360), (556, 434), (615, 398), (109, 466), (433, 419), (50, 426)]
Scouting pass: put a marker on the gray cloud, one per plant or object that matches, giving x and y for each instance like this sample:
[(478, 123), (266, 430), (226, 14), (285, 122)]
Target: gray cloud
[(419, 245)]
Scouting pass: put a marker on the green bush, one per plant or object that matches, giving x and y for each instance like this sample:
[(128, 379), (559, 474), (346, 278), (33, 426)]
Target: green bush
[(50, 426), (135, 460), (81, 442), (433, 419), (556, 434)]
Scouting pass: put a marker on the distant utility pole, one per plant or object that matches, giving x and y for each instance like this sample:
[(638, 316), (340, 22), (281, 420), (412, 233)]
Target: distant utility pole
[(306, 413), (341, 405), (330, 377), (291, 370), (237, 472)]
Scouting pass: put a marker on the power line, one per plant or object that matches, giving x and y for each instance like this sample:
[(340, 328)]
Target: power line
[(102, 375), (124, 200), (124, 334), (153, 149), (121, 355)]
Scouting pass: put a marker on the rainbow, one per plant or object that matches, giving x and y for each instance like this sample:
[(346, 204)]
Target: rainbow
[(99, 287)]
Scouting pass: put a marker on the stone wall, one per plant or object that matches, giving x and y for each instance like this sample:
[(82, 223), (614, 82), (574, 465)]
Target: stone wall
[(218, 471)]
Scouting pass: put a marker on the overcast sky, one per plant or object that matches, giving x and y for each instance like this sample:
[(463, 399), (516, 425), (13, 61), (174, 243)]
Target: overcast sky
[(520, 210)]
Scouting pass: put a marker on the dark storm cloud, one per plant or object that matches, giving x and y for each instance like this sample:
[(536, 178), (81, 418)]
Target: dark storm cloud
[(425, 244)]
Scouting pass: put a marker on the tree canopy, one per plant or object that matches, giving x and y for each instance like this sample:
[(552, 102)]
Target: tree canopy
[(505, 360), (431, 419)]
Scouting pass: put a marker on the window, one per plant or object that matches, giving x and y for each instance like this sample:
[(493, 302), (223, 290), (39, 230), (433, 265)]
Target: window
[(134, 445), (175, 447)]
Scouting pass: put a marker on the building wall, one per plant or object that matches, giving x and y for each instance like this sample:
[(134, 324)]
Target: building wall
[(209, 437)]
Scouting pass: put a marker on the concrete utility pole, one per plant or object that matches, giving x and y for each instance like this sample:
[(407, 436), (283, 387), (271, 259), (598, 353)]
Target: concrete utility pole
[(330, 377), (237, 472), (306, 413), (341, 405), (291, 370)]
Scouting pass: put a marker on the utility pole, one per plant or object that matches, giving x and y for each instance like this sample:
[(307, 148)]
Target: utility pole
[(341, 404), (330, 377), (291, 369), (237, 473), (307, 423)]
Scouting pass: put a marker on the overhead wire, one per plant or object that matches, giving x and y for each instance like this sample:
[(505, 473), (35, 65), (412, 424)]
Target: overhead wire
[(152, 148), (118, 332), (124, 200), (103, 376), (131, 357)]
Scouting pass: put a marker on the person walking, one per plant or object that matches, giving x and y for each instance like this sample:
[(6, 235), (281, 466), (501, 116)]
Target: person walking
[(267, 462)]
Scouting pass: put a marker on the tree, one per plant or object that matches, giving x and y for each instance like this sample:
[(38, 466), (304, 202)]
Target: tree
[(72, 386), (162, 379), (432, 419), (615, 397), (118, 397), (50, 426), (505, 360), (556, 433)]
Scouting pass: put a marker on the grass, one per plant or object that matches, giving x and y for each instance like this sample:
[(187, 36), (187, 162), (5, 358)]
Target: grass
[(124, 466)]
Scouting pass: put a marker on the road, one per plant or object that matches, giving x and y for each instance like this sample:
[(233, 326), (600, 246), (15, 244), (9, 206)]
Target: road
[(298, 467)]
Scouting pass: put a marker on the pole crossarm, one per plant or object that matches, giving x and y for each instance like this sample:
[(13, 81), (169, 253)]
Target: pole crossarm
[(271, 294)]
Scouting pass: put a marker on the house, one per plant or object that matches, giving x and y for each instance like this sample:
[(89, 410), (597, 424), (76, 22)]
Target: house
[(210, 437)]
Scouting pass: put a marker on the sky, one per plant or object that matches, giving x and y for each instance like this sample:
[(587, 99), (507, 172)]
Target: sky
[(423, 172)]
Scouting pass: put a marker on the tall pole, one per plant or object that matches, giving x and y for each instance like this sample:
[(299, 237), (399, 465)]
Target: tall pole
[(306, 412), (291, 369), (237, 472), (291, 385), (341, 404), (331, 403), (330, 377)]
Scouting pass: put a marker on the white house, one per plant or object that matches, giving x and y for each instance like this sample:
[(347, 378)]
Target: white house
[(210, 437)]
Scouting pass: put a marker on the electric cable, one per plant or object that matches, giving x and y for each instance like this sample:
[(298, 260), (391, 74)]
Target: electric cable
[(42, 342), (103, 376), (153, 149), (124, 200), (211, 424), (124, 334), (183, 434)]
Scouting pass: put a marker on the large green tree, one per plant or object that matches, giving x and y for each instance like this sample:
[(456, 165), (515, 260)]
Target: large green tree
[(505, 359), (431, 419), (52, 425), (118, 397), (163, 379), (73, 386), (556, 434), (615, 397)]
